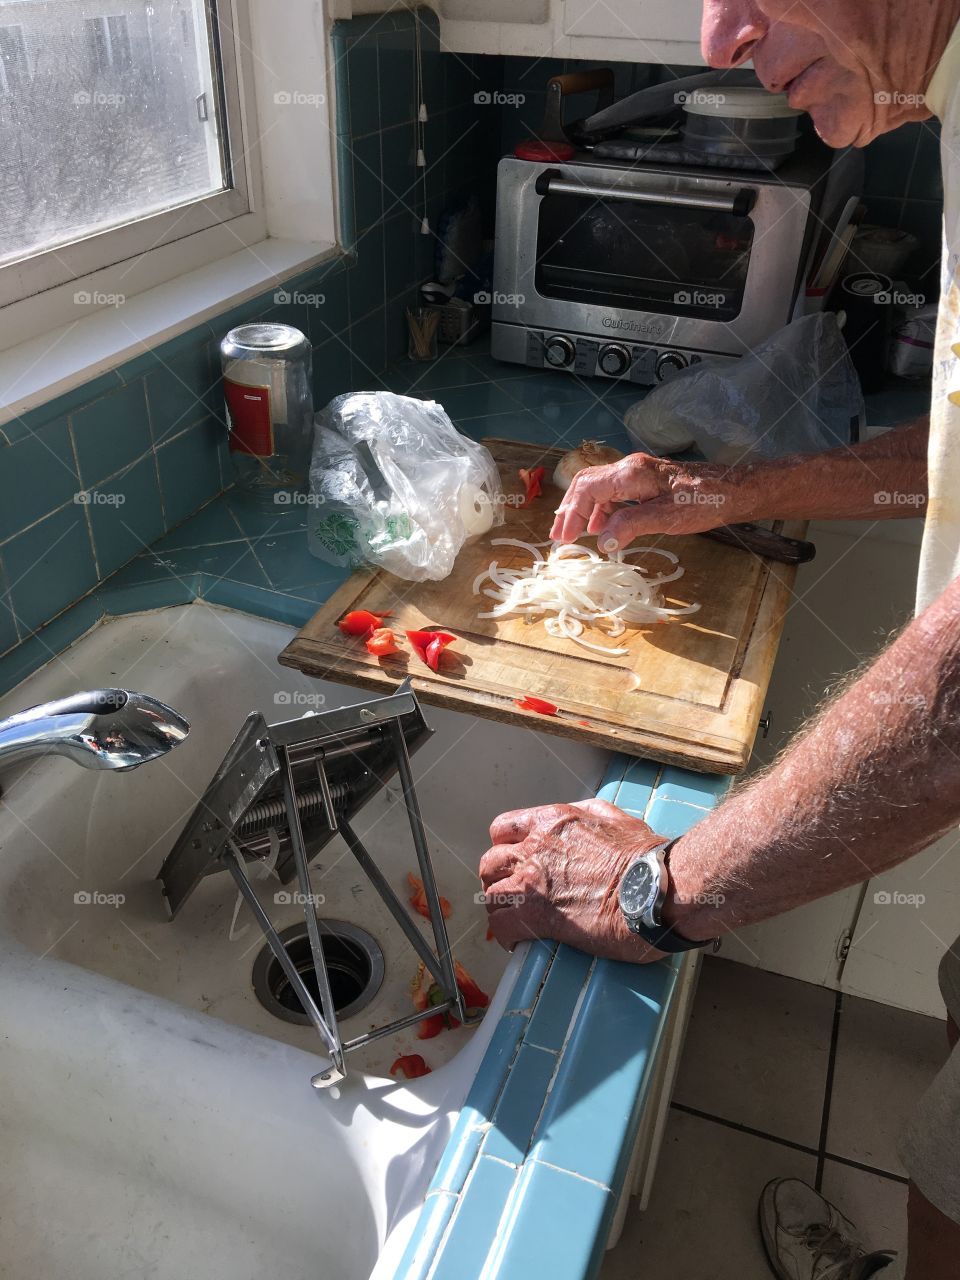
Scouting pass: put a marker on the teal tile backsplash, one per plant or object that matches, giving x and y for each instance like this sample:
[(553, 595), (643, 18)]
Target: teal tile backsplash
[(48, 566), (111, 433), (37, 475)]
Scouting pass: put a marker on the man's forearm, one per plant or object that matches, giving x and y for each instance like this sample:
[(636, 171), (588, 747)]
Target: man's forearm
[(874, 780), (882, 478)]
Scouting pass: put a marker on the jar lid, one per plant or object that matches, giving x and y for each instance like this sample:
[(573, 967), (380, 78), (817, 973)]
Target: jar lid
[(263, 336)]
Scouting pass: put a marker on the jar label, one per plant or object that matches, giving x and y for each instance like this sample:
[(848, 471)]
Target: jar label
[(251, 425)]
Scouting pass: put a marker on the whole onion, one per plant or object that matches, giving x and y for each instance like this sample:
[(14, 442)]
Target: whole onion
[(588, 454)]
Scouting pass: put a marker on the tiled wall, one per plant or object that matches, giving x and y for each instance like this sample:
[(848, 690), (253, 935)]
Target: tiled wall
[(904, 188)]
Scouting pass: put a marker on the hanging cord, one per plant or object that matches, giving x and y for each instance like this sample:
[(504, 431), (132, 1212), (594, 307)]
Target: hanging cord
[(420, 128)]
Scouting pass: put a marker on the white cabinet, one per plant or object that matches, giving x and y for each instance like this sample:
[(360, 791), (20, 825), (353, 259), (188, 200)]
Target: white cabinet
[(609, 31), (600, 30), (859, 589), (495, 11), (642, 21)]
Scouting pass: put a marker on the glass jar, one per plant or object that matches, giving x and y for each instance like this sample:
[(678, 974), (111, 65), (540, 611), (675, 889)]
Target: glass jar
[(268, 388)]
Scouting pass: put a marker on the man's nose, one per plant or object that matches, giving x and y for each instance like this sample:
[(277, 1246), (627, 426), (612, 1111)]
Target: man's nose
[(729, 31)]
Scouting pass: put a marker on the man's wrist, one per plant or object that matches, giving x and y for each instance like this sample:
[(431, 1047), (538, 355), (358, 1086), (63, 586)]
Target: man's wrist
[(691, 908), (735, 492)]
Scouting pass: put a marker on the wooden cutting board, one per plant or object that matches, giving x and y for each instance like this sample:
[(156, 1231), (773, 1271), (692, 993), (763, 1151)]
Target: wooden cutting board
[(689, 691)]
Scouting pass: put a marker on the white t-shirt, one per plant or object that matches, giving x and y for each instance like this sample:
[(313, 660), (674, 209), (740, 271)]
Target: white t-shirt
[(940, 554)]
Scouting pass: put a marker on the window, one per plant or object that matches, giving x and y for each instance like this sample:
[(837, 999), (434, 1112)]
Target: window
[(125, 137)]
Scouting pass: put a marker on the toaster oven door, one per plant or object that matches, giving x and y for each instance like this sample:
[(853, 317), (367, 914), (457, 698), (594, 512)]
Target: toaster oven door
[(674, 259), (708, 262)]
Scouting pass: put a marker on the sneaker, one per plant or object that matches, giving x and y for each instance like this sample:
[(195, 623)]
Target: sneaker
[(807, 1238)]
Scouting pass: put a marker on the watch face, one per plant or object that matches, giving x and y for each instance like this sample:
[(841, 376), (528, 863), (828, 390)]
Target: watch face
[(637, 888)]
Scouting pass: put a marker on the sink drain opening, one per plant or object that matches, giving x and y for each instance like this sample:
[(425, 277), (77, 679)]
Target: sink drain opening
[(354, 966)]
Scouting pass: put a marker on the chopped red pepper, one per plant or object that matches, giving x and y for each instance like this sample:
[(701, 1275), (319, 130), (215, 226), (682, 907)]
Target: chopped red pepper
[(412, 1065), (473, 996), (381, 642), (429, 645), (532, 478), (425, 997), (418, 899), (432, 1026), (540, 705), (359, 622)]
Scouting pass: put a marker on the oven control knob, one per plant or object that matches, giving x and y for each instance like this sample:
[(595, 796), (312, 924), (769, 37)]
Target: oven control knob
[(668, 364), (559, 351), (614, 359)]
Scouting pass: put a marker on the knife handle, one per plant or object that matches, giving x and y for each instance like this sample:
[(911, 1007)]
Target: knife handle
[(763, 542)]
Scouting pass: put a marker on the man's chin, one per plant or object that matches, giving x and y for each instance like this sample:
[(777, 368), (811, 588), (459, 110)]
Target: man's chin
[(842, 127)]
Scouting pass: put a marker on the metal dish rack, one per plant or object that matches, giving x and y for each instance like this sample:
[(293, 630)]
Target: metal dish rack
[(302, 782)]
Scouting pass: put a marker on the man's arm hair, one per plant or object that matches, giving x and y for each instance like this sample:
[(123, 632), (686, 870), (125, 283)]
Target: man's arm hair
[(849, 483), (872, 781)]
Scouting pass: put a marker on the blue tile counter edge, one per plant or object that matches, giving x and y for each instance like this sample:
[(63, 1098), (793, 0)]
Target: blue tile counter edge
[(538, 1159)]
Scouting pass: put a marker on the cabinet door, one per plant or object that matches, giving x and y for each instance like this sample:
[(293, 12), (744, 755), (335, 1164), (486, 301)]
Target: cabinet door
[(909, 917), (509, 11), (858, 590), (657, 20)]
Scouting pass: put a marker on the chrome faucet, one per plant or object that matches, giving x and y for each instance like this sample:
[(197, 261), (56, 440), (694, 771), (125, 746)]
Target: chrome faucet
[(99, 729)]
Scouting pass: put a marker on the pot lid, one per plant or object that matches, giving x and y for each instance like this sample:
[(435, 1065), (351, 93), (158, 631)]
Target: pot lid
[(743, 103)]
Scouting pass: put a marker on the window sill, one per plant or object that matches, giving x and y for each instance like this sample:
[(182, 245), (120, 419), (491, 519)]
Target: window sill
[(57, 362)]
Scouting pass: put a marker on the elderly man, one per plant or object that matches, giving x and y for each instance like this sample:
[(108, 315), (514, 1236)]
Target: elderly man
[(876, 777)]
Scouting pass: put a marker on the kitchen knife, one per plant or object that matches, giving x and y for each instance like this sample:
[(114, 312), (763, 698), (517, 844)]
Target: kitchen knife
[(763, 542)]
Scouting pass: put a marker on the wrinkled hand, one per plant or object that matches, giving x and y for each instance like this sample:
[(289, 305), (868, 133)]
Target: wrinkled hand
[(554, 872), (672, 497)]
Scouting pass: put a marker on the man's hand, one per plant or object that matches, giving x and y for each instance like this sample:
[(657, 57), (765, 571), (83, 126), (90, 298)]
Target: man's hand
[(673, 497), (554, 872)]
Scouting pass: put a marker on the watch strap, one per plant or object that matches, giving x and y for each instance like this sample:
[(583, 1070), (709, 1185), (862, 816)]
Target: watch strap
[(665, 937)]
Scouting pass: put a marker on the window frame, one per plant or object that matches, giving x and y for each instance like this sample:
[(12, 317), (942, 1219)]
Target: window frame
[(126, 259)]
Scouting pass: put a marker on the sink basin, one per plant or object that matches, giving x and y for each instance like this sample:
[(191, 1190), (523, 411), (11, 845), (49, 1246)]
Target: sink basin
[(153, 1109)]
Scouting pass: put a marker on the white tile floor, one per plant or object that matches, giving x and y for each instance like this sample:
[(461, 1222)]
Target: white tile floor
[(752, 1102)]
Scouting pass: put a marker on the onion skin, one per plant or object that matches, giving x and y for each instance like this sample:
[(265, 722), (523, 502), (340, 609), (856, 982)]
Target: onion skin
[(588, 454)]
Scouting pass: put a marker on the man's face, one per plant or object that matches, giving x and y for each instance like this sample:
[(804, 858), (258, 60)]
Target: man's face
[(828, 56)]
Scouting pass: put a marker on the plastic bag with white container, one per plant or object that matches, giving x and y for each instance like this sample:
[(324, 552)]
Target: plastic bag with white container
[(393, 483), (795, 392)]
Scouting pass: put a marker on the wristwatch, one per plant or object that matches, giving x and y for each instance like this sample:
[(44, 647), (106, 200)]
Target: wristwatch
[(643, 889)]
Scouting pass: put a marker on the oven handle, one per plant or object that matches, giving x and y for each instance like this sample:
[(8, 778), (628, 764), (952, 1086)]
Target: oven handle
[(552, 182)]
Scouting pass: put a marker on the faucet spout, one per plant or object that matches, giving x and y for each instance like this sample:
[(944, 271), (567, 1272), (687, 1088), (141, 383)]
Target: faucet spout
[(99, 729)]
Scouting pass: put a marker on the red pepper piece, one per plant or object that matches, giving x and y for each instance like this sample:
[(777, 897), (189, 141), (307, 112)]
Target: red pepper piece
[(432, 1026), (529, 703), (381, 642), (473, 996), (429, 645), (412, 1065), (532, 478), (359, 622), (418, 899)]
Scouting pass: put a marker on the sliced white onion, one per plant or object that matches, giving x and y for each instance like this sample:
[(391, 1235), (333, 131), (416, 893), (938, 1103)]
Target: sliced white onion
[(574, 585)]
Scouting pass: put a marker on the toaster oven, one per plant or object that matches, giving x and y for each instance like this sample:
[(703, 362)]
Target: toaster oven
[(631, 270)]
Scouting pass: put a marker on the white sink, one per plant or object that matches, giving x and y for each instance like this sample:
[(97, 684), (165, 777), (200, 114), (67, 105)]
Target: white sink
[(156, 1120)]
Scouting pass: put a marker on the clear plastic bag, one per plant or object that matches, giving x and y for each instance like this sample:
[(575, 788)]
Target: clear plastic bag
[(797, 392), (393, 483)]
